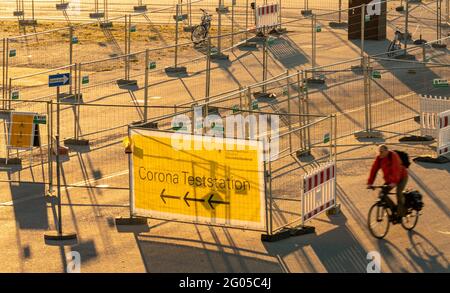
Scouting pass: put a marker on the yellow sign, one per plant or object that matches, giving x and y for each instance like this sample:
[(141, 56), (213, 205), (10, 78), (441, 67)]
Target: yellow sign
[(220, 181), (21, 133)]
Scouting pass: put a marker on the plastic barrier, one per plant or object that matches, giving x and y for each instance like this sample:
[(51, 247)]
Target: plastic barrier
[(443, 147), (430, 107), (319, 191), (267, 16)]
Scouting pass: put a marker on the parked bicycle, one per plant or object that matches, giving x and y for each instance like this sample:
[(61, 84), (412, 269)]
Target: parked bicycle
[(384, 212), (201, 31)]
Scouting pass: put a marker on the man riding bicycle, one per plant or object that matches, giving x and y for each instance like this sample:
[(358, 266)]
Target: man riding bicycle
[(395, 174)]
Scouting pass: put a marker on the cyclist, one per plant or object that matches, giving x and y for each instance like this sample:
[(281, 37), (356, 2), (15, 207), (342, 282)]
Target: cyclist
[(395, 174)]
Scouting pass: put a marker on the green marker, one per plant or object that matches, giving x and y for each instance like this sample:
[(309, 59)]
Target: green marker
[(85, 79)]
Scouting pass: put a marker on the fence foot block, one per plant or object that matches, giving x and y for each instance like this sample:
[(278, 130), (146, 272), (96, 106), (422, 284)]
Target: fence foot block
[(303, 153), (405, 56), (334, 24), (222, 10), (62, 6), (27, 22), (131, 221), (127, 84), (56, 236), (433, 160), (13, 161), (18, 13), (96, 15), (400, 8), (140, 8), (176, 70), (368, 134), (439, 46), (72, 141), (287, 232), (70, 98), (219, 56), (106, 24), (315, 80), (262, 96), (306, 12), (143, 124), (416, 138), (334, 210), (248, 45)]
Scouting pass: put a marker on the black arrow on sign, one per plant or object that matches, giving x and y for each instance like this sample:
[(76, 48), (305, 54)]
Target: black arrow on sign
[(162, 195), (186, 199), (211, 201)]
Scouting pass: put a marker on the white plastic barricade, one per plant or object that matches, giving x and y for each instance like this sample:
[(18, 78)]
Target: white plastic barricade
[(430, 107), (319, 191), (267, 16), (443, 147)]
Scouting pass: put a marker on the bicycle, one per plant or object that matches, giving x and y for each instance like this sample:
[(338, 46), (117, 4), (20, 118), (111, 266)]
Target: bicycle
[(395, 46), (201, 31), (384, 212)]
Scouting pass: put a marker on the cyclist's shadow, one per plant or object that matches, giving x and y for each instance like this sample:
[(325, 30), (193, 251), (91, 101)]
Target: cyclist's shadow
[(337, 249), (426, 255)]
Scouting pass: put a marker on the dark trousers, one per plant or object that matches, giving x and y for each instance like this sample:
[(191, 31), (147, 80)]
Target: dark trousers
[(401, 211)]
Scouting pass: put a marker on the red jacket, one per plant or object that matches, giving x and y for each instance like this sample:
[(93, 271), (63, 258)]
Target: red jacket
[(392, 167)]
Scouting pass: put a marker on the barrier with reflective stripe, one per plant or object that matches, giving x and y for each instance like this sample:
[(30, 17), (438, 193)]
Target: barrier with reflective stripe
[(443, 147), (319, 191), (430, 107), (267, 16)]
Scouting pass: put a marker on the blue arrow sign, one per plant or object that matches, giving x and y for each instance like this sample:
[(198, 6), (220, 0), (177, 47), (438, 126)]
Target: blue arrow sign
[(59, 79)]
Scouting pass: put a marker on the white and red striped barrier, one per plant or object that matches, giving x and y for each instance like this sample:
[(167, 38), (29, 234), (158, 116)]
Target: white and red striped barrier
[(430, 107), (267, 16), (319, 191), (443, 147)]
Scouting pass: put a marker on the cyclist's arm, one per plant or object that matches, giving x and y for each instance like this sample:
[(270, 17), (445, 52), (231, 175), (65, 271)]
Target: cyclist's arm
[(374, 171)]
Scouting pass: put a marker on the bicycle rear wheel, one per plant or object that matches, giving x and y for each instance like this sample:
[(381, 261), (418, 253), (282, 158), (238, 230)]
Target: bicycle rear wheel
[(410, 220), (378, 221), (198, 34)]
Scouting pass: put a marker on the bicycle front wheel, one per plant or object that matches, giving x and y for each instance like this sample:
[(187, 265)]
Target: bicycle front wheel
[(198, 34), (378, 221), (410, 220)]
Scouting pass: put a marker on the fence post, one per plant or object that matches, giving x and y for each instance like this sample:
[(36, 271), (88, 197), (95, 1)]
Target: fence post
[(219, 29), (288, 85), (313, 43), (146, 86), (340, 11), (71, 54), (269, 174), (233, 3), (246, 20), (208, 70), (126, 47), (3, 72), (369, 92), (299, 103), (424, 53), (405, 36), (363, 33), (50, 146), (249, 98), (366, 94), (264, 77), (176, 35), (5, 85), (306, 109)]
